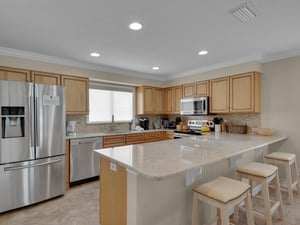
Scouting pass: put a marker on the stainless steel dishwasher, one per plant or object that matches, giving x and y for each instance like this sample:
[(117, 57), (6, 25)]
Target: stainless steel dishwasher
[(84, 162)]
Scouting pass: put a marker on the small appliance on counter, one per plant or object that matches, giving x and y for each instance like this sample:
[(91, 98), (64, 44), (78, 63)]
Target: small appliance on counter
[(165, 122), (144, 123), (71, 128), (172, 125)]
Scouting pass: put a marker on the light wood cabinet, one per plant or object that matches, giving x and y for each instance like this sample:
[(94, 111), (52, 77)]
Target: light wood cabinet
[(45, 78), (14, 74), (76, 94), (166, 135), (236, 94), (245, 92), (113, 194), (197, 89), (149, 100), (173, 97), (219, 95), (134, 138), (114, 141), (152, 136)]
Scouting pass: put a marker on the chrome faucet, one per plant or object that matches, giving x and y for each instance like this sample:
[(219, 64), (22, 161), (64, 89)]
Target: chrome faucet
[(113, 123)]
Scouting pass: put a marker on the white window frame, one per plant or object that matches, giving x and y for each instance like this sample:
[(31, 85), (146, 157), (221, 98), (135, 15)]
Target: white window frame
[(113, 87)]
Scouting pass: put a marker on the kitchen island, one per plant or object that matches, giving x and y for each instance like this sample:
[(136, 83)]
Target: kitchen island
[(152, 183)]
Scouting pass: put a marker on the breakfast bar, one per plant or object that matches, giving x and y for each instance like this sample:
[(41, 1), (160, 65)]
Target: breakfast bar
[(152, 183)]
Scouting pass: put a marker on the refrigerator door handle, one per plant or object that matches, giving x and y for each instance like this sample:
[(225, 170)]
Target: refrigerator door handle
[(31, 108), (37, 116), (30, 166)]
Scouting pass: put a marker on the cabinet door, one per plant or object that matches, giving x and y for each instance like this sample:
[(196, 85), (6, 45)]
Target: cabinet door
[(178, 97), (219, 95), (76, 94), (148, 100), (188, 90), (158, 100), (14, 74), (113, 141), (169, 98), (134, 138), (243, 93), (45, 78), (202, 88)]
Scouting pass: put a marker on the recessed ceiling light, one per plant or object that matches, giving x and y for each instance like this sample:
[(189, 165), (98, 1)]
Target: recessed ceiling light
[(203, 52), (135, 26), (95, 54), (155, 68)]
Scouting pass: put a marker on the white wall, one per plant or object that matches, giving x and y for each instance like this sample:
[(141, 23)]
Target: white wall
[(281, 101)]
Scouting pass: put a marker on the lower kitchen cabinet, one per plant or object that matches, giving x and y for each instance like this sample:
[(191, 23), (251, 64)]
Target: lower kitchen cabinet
[(152, 136), (134, 138), (114, 141), (113, 192)]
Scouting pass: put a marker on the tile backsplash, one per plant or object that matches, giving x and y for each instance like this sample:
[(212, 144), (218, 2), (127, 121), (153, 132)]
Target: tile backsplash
[(251, 119)]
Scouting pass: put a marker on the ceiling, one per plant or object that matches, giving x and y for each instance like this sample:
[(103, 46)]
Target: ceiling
[(174, 31)]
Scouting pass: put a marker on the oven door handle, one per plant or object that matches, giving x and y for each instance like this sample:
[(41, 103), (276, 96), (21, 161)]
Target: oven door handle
[(30, 166)]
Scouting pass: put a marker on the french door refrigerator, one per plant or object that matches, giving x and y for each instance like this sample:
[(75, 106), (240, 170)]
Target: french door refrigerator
[(32, 143)]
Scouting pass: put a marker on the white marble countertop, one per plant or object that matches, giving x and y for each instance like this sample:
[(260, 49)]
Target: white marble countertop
[(121, 132), (161, 159)]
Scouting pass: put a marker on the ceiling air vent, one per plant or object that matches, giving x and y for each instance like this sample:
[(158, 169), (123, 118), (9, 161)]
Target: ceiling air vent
[(243, 13)]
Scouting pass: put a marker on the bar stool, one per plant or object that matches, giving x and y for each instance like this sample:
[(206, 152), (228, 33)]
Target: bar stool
[(288, 160), (223, 193), (264, 174)]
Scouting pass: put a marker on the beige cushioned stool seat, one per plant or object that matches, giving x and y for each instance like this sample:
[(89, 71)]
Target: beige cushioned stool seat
[(222, 189), (281, 156), (258, 169)]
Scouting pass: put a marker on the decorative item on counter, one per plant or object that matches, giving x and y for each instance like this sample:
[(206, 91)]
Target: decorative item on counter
[(217, 121), (178, 120), (205, 129), (237, 129), (265, 131)]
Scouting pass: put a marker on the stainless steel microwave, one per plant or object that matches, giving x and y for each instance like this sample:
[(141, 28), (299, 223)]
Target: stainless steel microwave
[(194, 106)]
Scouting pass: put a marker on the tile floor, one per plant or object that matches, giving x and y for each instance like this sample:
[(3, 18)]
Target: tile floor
[(79, 206)]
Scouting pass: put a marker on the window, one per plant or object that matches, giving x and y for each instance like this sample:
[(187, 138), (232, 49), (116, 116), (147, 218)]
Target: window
[(107, 102)]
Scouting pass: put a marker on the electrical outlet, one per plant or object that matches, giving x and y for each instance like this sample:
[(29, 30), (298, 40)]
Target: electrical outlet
[(113, 166)]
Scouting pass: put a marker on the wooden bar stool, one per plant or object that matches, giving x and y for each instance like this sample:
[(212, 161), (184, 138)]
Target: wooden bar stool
[(223, 193), (264, 174), (288, 160)]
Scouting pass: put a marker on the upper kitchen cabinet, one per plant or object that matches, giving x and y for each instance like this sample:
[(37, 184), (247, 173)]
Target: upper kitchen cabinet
[(219, 95), (76, 94), (245, 92), (149, 100), (195, 89), (45, 78), (173, 97), (236, 94), (14, 74)]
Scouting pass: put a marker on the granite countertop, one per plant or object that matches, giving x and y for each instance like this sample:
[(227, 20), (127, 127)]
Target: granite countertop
[(161, 159), (87, 135)]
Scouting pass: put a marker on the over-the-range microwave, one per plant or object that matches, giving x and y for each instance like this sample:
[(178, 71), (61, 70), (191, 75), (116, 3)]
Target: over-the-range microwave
[(194, 106)]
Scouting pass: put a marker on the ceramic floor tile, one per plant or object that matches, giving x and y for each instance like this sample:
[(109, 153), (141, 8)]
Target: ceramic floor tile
[(80, 206)]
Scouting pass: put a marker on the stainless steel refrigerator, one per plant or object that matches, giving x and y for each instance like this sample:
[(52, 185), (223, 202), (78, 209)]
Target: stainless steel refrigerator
[(32, 143)]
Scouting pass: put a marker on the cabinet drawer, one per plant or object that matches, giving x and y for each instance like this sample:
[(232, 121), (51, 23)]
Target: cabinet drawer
[(168, 135), (114, 140), (152, 136), (134, 138)]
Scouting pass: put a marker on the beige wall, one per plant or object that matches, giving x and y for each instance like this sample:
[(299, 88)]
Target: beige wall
[(9, 61), (281, 100), (222, 72)]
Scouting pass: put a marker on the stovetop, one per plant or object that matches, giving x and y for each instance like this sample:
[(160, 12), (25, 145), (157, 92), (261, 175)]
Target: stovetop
[(193, 132)]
